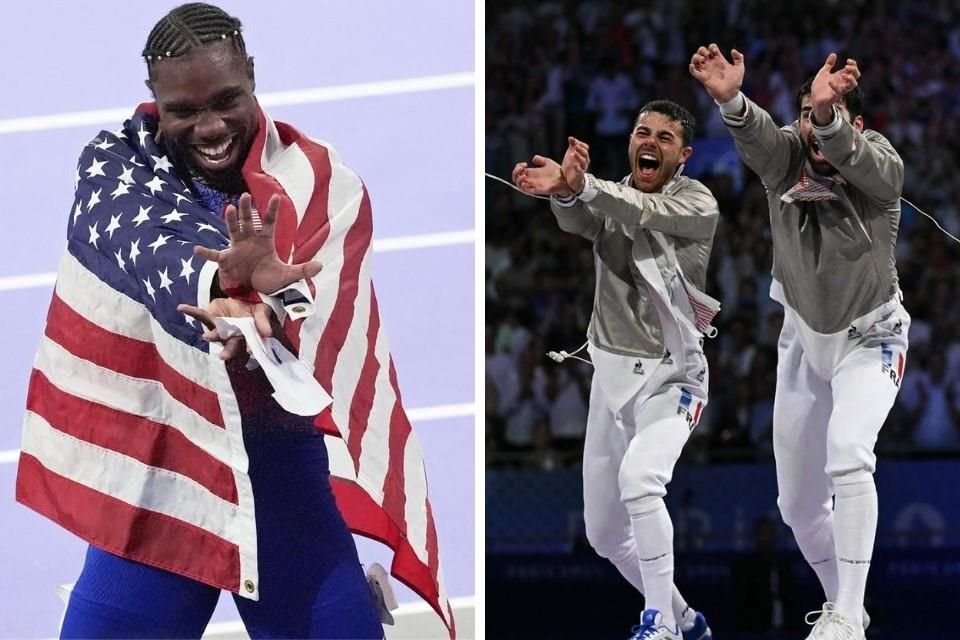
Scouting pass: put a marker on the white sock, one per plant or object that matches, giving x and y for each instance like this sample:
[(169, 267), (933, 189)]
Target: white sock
[(855, 526), (820, 552), (653, 532), (628, 565), (684, 613)]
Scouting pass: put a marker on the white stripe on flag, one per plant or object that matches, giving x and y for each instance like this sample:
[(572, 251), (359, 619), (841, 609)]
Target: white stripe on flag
[(136, 396), (343, 205), (97, 302), (415, 508), (128, 479), (375, 446)]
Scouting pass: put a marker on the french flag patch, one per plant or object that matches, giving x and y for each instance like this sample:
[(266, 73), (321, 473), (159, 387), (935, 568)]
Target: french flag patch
[(689, 408), (891, 364)]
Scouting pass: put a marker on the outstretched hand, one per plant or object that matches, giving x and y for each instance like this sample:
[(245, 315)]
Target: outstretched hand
[(575, 163), (829, 86), (251, 260), (721, 79), (544, 178)]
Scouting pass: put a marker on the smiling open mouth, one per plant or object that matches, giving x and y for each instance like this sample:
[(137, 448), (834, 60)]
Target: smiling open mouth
[(215, 154), (647, 165)]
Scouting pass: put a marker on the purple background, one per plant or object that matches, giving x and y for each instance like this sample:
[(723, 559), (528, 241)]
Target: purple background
[(414, 151)]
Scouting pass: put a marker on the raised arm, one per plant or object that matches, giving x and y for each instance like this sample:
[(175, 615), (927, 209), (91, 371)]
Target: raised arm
[(686, 209), (765, 147), (865, 159), (547, 177)]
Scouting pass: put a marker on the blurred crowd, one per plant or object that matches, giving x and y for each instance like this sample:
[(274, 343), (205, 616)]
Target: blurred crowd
[(584, 68)]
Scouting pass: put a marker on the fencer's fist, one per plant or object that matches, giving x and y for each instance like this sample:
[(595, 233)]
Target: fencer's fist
[(721, 79)]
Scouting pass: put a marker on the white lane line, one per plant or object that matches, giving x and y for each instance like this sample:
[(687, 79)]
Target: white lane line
[(380, 245), (271, 99), (416, 414), (424, 240)]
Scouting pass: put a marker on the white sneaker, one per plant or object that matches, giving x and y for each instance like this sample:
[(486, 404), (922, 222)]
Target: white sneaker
[(830, 625), (651, 627)]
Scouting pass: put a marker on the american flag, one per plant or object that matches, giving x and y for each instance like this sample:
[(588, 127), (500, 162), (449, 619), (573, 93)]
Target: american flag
[(132, 437)]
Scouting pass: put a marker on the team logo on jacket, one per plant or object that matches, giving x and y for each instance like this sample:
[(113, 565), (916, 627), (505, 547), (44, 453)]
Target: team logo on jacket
[(892, 367), (690, 408)]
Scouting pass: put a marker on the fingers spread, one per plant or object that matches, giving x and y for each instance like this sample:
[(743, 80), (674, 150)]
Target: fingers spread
[(207, 254), (196, 312)]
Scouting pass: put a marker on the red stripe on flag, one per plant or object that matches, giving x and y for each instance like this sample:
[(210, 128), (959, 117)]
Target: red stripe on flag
[(314, 228), (696, 414), (900, 364), (367, 518), (263, 185), (122, 529), (355, 245), (128, 356), (152, 443), (394, 484), (363, 397)]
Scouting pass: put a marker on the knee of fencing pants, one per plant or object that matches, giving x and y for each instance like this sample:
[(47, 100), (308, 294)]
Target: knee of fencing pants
[(647, 467), (804, 510), (850, 450), (608, 533), (857, 476)]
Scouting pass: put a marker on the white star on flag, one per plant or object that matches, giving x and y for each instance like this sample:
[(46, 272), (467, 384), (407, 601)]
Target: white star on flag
[(94, 199), (180, 197), (113, 226), (133, 159), (187, 269), (127, 176), (121, 190), (190, 320), (94, 236), (123, 265), (103, 144), (150, 290), (143, 134), (77, 210), (173, 215), (159, 242), (165, 280), (134, 251), (142, 216), (96, 168), (203, 226), (76, 178), (162, 163), (155, 185)]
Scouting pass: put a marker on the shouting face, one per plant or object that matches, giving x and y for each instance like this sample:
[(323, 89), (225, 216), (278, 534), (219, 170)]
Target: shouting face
[(810, 145), (208, 113), (656, 150)]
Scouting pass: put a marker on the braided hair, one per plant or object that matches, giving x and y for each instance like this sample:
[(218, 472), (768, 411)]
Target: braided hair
[(188, 26)]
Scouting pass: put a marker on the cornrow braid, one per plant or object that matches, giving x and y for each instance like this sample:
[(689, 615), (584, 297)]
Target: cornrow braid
[(188, 26)]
